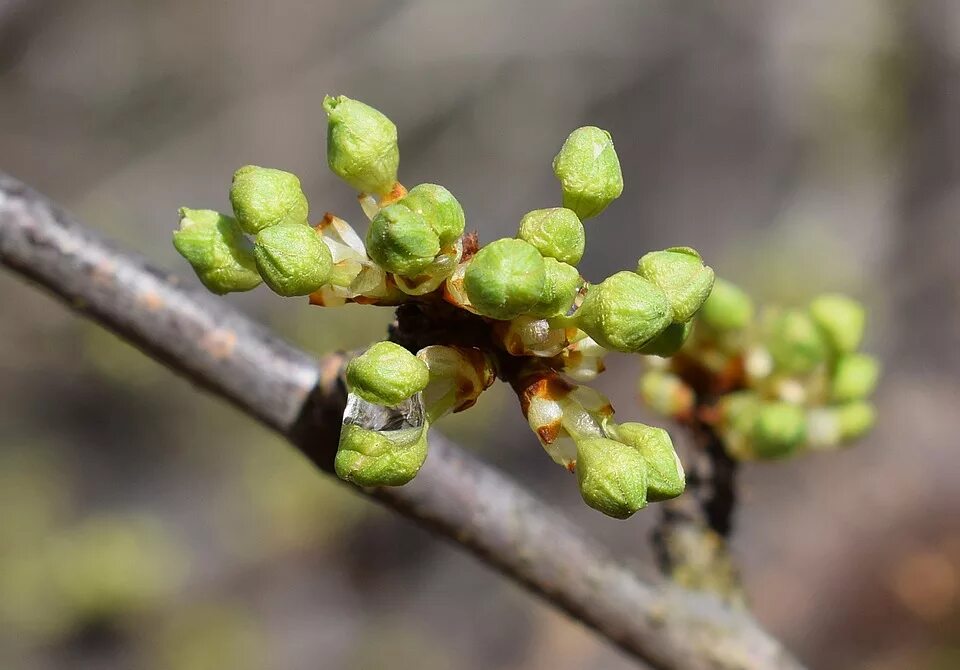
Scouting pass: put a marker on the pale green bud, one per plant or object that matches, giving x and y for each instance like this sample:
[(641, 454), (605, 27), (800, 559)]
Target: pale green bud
[(292, 259), (361, 145), (669, 341), (215, 247), (666, 393), (796, 343), (439, 209), (556, 233), (739, 410), (505, 279), (855, 419), (855, 377), (371, 458), (589, 171), (612, 476), (728, 307), (841, 319), (779, 429), (399, 240), (386, 374), (264, 197), (624, 312), (665, 476), (680, 272), (560, 287)]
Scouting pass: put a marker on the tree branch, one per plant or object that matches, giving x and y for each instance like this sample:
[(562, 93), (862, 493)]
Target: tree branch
[(468, 502)]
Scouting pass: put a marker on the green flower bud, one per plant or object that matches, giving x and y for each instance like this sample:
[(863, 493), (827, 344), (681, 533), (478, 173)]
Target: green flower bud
[(666, 393), (795, 343), (841, 319), (556, 233), (560, 287), (386, 374), (589, 171), (292, 259), (665, 477), (361, 145), (855, 419), (779, 429), (612, 477), (216, 248), (624, 312), (505, 279), (855, 377), (400, 241), (669, 341), (264, 197), (728, 308), (439, 209), (680, 272), (372, 458)]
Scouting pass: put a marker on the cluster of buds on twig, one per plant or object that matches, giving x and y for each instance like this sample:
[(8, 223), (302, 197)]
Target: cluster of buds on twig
[(771, 385), (517, 308)]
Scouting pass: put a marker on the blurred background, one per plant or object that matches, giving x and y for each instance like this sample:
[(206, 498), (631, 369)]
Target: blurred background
[(798, 146)]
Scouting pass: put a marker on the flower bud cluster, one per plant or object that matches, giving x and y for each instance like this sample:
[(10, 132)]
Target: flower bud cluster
[(772, 385), (518, 307)]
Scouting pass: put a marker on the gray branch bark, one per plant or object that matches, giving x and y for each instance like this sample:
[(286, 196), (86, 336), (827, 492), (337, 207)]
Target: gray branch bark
[(457, 495)]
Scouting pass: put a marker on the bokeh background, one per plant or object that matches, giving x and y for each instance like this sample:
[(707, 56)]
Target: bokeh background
[(798, 146)]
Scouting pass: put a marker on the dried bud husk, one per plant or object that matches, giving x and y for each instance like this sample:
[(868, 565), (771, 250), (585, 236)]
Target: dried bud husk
[(589, 171), (293, 259), (795, 343), (215, 247), (854, 378), (374, 458), (401, 241), (439, 209), (505, 279), (264, 197), (386, 374), (624, 312), (665, 476), (458, 375), (362, 145), (841, 319), (555, 232), (680, 272), (728, 308), (612, 477)]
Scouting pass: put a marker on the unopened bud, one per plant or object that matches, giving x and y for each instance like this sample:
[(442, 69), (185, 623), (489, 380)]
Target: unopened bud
[(665, 476), (589, 171), (505, 279), (669, 341), (374, 458), (555, 232), (855, 419), (439, 209), (855, 377), (399, 240), (361, 145), (265, 197), (612, 477), (386, 374), (680, 272), (841, 319), (779, 429), (795, 343), (292, 259), (215, 247), (624, 312), (666, 393), (560, 286), (727, 309)]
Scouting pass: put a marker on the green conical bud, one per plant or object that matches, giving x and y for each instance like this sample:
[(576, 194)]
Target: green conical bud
[(361, 145), (560, 287), (855, 419), (439, 209), (556, 233), (669, 341), (841, 319), (624, 312), (386, 374), (216, 248), (292, 259), (399, 240), (855, 377), (372, 458), (739, 410), (727, 308), (612, 477), (779, 429), (665, 477), (505, 279), (265, 197), (795, 343), (680, 272), (589, 171)]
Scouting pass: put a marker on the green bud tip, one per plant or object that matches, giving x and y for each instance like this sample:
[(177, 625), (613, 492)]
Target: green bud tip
[(505, 279), (795, 342), (560, 288), (401, 241), (612, 476), (292, 259), (265, 197), (665, 476), (589, 171), (440, 210), (624, 312), (361, 145), (556, 233), (387, 374), (680, 272), (855, 377), (670, 341), (779, 429), (855, 419), (371, 458), (841, 319), (215, 247), (728, 307)]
